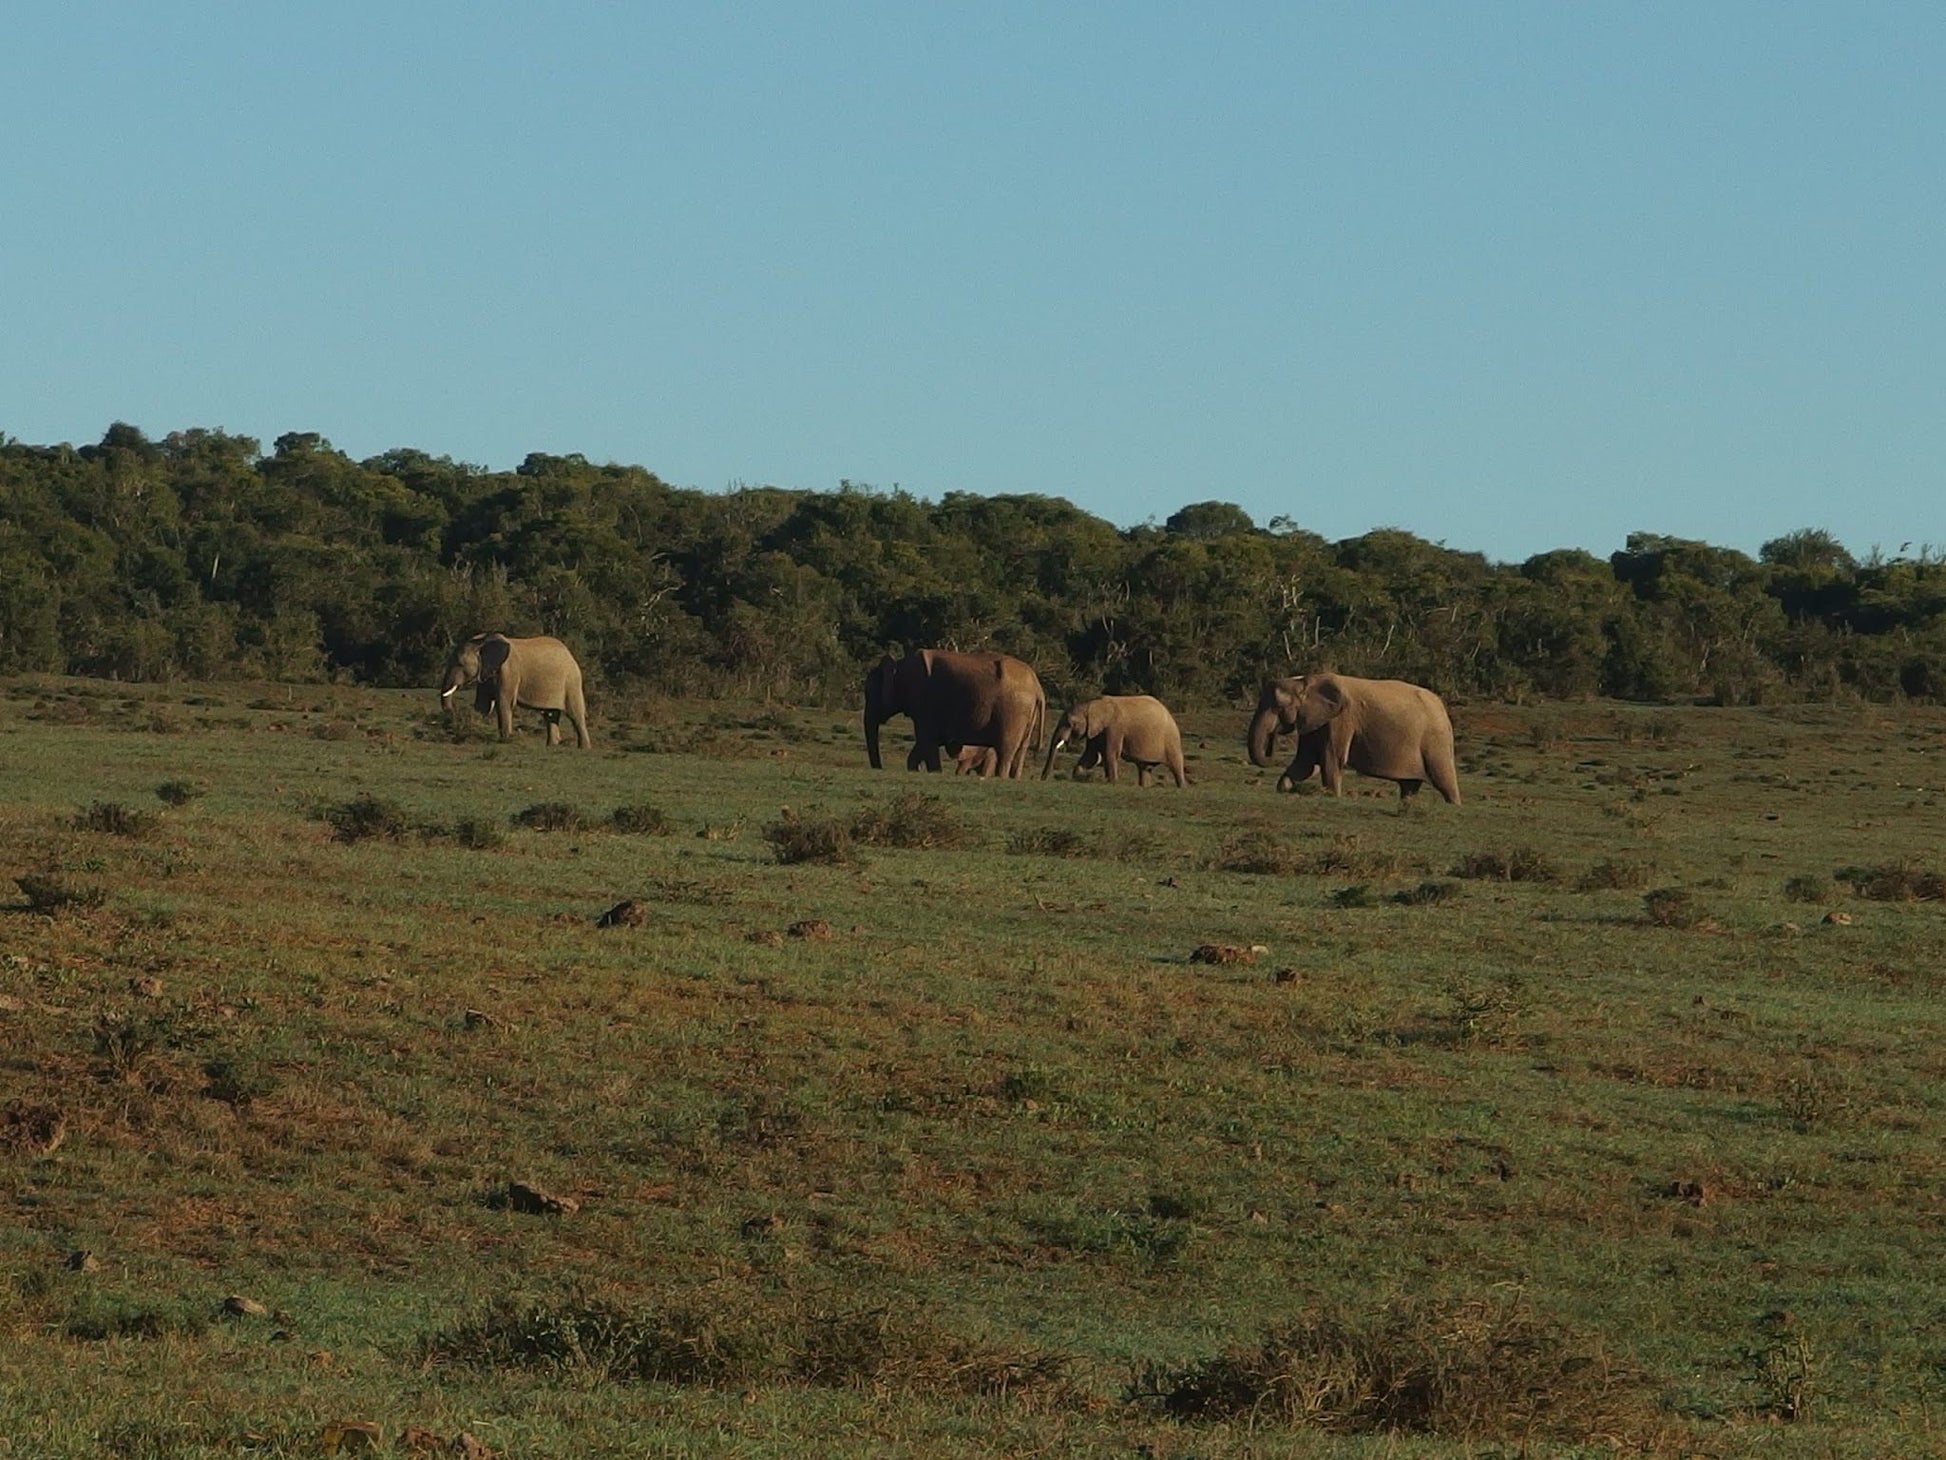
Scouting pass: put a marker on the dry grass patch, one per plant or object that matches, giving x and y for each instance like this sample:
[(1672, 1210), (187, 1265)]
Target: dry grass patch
[(1480, 1370), (1516, 864), (912, 821), (1902, 881), (50, 893), (114, 819), (795, 839)]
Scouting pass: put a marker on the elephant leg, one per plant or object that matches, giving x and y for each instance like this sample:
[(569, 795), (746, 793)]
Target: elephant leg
[(1111, 755), (1444, 778), (503, 712), (552, 719), (1175, 768), (1408, 788), (1144, 773)]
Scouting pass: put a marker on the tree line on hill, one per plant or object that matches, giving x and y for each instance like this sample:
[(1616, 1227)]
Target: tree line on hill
[(200, 556)]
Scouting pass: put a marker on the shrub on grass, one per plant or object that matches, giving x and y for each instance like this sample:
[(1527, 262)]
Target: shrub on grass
[(1257, 852), (1671, 907), (796, 839), (1616, 876), (1517, 864), (178, 793), (1427, 894), (114, 819), (1807, 889), (1482, 1370), (913, 821), (676, 1345), (550, 816), (1895, 882), (640, 819), (367, 817), (1048, 841), (47, 892)]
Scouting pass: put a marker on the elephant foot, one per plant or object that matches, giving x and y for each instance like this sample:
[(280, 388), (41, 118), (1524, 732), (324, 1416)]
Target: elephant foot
[(1285, 784)]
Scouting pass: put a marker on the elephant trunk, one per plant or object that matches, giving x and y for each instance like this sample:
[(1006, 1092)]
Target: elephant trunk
[(1263, 732), (872, 722), (455, 677), (1053, 746)]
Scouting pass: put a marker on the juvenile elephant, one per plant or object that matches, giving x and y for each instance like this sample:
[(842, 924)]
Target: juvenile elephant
[(537, 673), (979, 760), (957, 700), (1378, 727), (1115, 728)]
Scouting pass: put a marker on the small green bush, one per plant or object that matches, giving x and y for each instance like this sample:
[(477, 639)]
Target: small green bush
[(550, 816), (1895, 882), (1615, 876), (178, 793), (114, 819), (913, 821), (1048, 841), (1519, 864), (1256, 852), (367, 817), (1804, 888), (1427, 894), (795, 839), (46, 892), (641, 819), (1671, 907)]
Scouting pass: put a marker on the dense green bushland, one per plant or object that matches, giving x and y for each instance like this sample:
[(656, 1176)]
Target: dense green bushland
[(199, 556)]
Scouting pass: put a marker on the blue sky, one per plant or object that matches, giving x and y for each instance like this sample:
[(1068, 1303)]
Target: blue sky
[(1510, 276)]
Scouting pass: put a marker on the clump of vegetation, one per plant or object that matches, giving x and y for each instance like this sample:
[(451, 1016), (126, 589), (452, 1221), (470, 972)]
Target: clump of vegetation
[(1805, 888), (794, 839), (913, 821), (550, 816), (1613, 876), (1347, 856), (1427, 894), (857, 1348), (1256, 851), (1895, 882), (674, 1345), (50, 893), (1517, 864), (114, 819), (1048, 841), (640, 819), (1481, 1370), (366, 818), (1359, 895), (1672, 907), (179, 793), (238, 1081), (477, 833)]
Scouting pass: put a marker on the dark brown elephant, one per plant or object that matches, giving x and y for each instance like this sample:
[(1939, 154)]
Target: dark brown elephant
[(1384, 728), (538, 673), (957, 700)]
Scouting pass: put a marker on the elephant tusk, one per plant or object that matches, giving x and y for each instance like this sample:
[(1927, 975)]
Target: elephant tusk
[(447, 694)]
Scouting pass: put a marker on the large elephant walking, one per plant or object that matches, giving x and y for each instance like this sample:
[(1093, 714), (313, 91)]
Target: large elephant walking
[(1115, 728), (538, 673), (1384, 728), (957, 700)]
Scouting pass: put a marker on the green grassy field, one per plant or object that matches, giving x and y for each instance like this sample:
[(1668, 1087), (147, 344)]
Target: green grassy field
[(1562, 1122)]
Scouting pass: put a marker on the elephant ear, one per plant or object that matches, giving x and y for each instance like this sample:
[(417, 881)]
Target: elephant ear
[(1324, 701), (493, 654)]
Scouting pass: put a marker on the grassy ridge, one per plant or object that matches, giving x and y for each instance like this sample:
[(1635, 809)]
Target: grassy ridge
[(978, 1161)]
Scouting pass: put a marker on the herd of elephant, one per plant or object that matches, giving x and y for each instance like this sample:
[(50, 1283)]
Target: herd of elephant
[(987, 710)]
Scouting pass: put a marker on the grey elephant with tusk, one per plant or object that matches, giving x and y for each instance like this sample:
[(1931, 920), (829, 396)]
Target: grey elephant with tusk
[(535, 673), (1385, 728), (1114, 728)]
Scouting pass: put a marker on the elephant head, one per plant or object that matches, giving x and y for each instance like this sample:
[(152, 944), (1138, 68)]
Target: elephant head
[(1294, 706), (461, 669), (887, 693), (478, 661), (1075, 725)]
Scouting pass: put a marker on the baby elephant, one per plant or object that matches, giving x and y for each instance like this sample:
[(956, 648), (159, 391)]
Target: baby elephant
[(1115, 728)]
